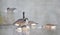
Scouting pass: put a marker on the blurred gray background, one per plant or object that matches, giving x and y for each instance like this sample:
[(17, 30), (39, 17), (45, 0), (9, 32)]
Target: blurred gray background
[(40, 11)]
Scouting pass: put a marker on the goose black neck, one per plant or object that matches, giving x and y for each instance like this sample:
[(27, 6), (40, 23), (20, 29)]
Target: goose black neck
[(23, 15)]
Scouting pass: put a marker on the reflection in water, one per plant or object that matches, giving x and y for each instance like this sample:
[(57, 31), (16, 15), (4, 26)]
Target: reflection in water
[(10, 30)]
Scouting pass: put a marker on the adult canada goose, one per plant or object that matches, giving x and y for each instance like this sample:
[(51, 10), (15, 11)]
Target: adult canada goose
[(24, 21)]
